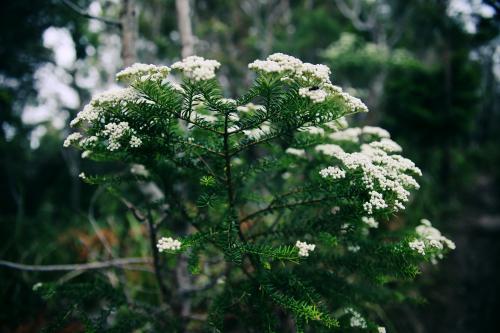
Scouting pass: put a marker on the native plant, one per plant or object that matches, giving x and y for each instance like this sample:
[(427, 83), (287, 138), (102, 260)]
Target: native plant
[(280, 212)]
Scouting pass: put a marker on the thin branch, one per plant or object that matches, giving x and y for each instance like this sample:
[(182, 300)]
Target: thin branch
[(270, 207), (81, 11), (204, 148), (121, 262), (254, 143), (156, 258)]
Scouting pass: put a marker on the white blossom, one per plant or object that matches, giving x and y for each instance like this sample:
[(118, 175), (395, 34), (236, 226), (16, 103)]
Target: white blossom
[(168, 244), (335, 210), (353, 248), (313, 130), (72, 138), (135, 142), (296, 152), (329, 149), (114, 132), (377, 131), (304, 248), (417, 245), (197, 68), (143, 72), (349, 134), (332, 172), (370, 221), (315, 95), (381, 329), (356, 319), (257, 133)]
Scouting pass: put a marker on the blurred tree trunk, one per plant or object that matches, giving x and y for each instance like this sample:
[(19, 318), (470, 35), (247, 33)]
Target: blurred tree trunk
[(128, 20), (185, 28), (184, 279)]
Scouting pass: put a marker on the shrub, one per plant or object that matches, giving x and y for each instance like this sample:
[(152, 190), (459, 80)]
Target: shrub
[(280, 211)]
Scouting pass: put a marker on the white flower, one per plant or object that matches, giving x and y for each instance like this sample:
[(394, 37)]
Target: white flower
[(381, 329), (296, 152), (370, 221), (37, 286), (82, 175), (135, 142), (353, 248), (197, 68), (356, 319), (143, 72), (168, 244), (332, 172), (257, 133), (304, 248), (86, 154), (417, 245), (72, 138), (114, 132), (376, 202), (315, 95), (249, 107), (372, 130), (349, 134), (313, 130), (335, 210), (329, 149)]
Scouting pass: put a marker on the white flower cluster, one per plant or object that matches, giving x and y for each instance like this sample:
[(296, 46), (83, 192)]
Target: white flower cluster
[(304, 248), (332, 172), (428, 236), (296, 152), (353, 248), (135, 142), (313, 130), (315, 95), (356, 319), (329, 149), (168, 244), (370, 221), (377, 131), (353, 103), (381, 329), (197, 68), (381, 171), (417, 245), (114, 132), (249, 107), (349, 134), (72, 138), (143, 72), (314, 79), (337, 124), (257, 133), (114, 97)]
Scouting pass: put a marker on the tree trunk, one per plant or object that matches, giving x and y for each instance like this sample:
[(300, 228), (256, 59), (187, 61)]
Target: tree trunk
[(128, 20), (184, 26)]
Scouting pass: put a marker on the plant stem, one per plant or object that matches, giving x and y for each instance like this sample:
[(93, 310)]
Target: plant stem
[(156, 259)]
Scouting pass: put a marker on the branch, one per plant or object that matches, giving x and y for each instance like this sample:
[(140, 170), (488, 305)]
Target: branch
[(254, 143), (81, 11), (270, 207), (353, 14), (121, 262)]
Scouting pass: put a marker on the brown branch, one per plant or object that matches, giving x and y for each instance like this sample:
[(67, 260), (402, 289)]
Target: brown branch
[(80, 11), (120, 262)]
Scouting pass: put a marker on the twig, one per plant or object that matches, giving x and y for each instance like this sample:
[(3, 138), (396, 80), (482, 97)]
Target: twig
[(79, 10), (270, 207), (121, 262), (156, 258)]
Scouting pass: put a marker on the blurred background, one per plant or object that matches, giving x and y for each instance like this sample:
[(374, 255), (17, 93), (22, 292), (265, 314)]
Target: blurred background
[(429, 71)]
